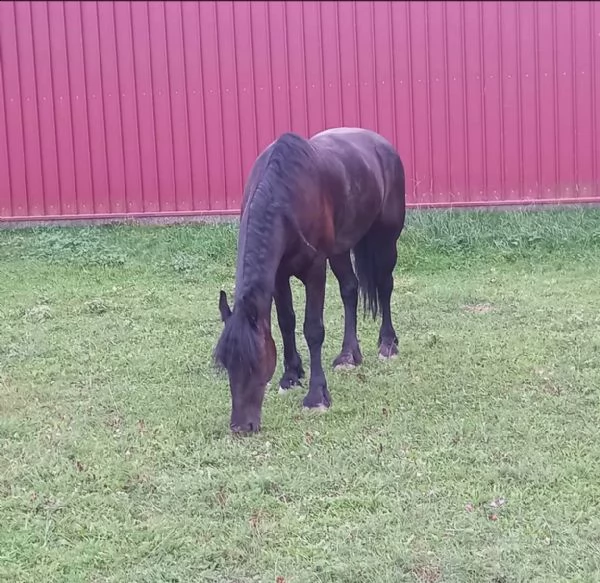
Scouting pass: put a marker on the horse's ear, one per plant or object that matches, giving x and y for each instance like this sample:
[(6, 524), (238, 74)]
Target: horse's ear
[(224, 307)]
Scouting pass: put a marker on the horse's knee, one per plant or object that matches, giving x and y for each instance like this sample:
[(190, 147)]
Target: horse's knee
[(349, 290), (385, 283), (314, 333), (287, 323)]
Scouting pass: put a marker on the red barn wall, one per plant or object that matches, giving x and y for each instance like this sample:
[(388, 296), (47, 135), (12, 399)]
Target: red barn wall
[(160, 108)]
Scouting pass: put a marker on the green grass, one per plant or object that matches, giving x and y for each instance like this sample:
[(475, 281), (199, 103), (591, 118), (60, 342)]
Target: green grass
[(115, 457)]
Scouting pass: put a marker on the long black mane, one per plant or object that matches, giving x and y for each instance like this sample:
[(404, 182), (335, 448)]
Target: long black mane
[(276, 178)]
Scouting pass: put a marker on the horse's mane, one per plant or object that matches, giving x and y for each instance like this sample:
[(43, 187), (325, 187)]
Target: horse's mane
[(275, 179)]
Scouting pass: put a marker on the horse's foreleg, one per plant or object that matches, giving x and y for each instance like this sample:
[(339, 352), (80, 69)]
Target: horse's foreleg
[(314, 332), (350, 356), (292, 363)]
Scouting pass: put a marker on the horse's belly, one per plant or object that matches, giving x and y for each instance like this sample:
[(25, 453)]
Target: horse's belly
[(354, 221)]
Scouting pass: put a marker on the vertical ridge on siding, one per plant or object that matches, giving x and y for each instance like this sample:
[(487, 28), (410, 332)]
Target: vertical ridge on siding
[(177, 107), (305, 82), (53, 122), (519, 72), (113, 129), (118, 98), (229, 103), (322, 65), (213, 104), (374, 68), (31, 130), (219, 90), (427, 79), (287, 65), (186, 100), (197, 134), (411, 104), (538, 117), (575, 73), (449, 194), (555, 101), (595, 75), (130, 118), (393, 71), (84, 183), (467, 185), (501, 100), (239, 137), (270, 65), (247, 95), (6, 183), (484, 188), (356, 82)]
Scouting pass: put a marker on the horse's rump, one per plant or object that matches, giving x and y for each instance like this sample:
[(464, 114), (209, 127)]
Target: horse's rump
[(364, 180)]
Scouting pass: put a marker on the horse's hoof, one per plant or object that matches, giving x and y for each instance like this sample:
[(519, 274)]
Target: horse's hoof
[(287, 385), (388, 352), (344, 366), (321, 408), (318, 402), (346, 361)]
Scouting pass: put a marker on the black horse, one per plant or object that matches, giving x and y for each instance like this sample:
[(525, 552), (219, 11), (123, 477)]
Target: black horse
[(306, 202)]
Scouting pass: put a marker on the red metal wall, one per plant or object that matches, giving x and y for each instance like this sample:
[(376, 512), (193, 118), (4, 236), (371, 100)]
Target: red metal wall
[(109, 108)]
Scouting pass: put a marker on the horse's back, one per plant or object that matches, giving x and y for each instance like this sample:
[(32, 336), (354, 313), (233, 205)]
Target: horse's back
[(364, 140)]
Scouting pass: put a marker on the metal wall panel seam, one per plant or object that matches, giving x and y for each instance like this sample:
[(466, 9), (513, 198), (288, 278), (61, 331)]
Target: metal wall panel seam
[(411, 101), (501, 101), (595, 78), (463, 26), (521, 183), (484, 188), (393, 72)]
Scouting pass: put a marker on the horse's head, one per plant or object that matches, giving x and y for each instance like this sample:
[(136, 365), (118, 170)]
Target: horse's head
[(247, 351)]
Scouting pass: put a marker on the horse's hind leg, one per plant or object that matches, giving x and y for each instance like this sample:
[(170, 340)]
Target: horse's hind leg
[(386, 258), (341, 265), (286, 318)]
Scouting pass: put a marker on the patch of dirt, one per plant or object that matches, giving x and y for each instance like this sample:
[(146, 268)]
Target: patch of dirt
[(255, 521), (552, 388), (478, 308), (114, 421), (139, 481), (549, 385), (221, 497), (427, 573)]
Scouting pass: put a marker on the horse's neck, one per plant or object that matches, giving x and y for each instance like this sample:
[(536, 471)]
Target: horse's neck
[(257, 265)]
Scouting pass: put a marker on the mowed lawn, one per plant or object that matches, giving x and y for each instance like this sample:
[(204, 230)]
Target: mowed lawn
[(474, 457)]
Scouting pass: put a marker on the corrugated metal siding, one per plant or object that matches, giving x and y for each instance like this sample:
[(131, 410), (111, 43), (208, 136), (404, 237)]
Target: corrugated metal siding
[(113, 108)]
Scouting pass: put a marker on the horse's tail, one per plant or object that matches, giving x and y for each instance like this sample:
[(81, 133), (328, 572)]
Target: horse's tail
[(367, 272)]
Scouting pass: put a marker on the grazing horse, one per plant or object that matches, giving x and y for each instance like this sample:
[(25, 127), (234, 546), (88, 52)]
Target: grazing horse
[(306, 202)]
